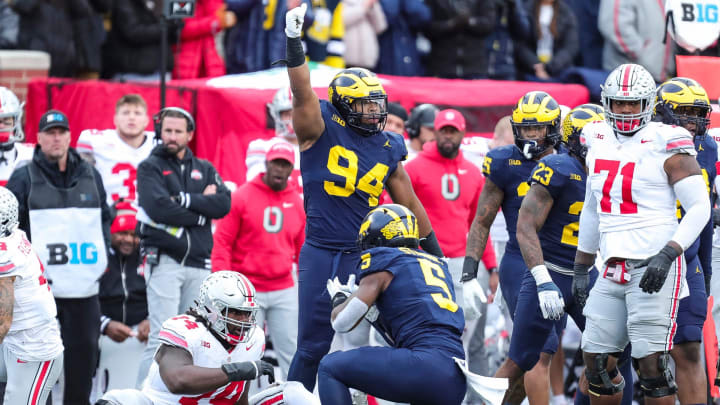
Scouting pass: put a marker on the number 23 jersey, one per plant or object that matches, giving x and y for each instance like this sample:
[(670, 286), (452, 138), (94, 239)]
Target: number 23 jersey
[(627, 178), (343, 175)]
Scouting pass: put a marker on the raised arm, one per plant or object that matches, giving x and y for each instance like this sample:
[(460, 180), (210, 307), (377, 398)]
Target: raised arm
[(306, 117)]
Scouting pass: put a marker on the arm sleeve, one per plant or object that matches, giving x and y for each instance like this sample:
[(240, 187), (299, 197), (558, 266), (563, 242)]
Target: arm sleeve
[(617, 24), (697, 209), (589, 234), (213, 206), (705, 250), (154, 199), (225, 234)]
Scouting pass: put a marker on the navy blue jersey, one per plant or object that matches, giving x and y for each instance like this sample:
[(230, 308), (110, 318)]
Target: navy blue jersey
[(343, 175), (419, 304), (564, 178), (509, 170)]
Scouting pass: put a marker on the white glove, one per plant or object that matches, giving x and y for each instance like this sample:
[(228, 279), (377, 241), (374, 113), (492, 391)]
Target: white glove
[(550, 298), (294, 21), (473, 297), (334, 286)]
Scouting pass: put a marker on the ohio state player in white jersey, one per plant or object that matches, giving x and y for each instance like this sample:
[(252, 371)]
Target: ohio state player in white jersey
[(281, 111), (32, 350), (12, 152), (636, 171), (117, 152), (207, 355)]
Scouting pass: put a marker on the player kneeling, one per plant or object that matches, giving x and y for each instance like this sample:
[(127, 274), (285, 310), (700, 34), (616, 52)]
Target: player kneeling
[(207, 355)]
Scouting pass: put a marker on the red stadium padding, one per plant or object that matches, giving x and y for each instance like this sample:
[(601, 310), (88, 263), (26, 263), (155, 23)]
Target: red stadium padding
[(229, 118)]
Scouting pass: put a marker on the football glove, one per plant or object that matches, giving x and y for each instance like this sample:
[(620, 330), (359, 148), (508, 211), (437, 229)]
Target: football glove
[(550, 298), (338, 291), (580, 283), (249, 370), (658, 266), (294, 20)]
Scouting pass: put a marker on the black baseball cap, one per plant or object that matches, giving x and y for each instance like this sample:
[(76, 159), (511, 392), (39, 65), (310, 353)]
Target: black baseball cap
[(53, 119)]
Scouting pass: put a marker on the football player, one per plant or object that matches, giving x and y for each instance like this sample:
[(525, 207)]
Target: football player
[(411, 292), (683, 102), (207, 355), (536, 125), (32, 351), (281, 112), (346, 162), (117, 152), (12, 151), (637, 169)]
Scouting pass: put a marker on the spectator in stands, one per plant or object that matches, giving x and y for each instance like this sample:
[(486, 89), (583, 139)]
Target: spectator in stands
[(633, 31), (261, 238), (124, 323), (63, 212), (132, 48), (398, 50), (324, 37), (396, 117), (419, 128), (364, 20), (116, 153), (512, 24), (178, 196), (90, 35), (456, 32), (9, 25), (589, 36), (196, 55), (551, 47), (48, 26)]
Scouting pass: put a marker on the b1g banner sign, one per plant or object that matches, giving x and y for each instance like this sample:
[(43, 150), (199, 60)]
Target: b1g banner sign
[(693, 24)]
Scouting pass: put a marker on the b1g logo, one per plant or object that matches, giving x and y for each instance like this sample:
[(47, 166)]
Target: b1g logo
[(699, 12), (72, 253)]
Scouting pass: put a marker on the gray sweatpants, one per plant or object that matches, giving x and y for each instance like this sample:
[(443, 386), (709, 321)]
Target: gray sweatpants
[(280, 310)]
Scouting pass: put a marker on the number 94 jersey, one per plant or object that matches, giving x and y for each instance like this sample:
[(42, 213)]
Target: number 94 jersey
[(343, 175), (635, 203), (563, 176), (419, 305)]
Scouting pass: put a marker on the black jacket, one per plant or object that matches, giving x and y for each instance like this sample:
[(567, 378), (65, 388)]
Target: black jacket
[(133, 43), (122, 290), (170, 191), (19, 184)]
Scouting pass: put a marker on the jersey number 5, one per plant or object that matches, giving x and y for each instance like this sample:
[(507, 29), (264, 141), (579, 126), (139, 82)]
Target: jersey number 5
[(627, 206), (434, 277), (371, 182)]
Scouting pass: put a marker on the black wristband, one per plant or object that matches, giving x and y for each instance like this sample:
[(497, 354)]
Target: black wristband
[(580, 269), (431, 245), (470, 269), (338, 299), (294, 52)]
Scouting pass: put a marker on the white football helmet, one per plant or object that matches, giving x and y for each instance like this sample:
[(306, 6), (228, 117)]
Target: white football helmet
[(222, 291), (8, 212), (10, 107), (629, 82), (282, 101)]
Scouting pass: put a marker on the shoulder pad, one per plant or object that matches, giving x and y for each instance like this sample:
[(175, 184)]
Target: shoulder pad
[(180, 331), (674, 139)]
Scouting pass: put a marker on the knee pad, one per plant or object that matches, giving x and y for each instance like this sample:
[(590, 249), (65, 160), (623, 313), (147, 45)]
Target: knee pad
[(600, 380), (663, 385)]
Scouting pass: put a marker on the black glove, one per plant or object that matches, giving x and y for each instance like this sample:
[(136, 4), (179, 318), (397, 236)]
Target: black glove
[(249, 370), (431, 245), (657, 269), (716, 217), (580, 283)]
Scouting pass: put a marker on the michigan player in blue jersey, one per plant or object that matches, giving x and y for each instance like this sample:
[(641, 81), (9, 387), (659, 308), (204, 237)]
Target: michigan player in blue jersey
[(536, 127), (346, 160), (683, 102), (412, 293)]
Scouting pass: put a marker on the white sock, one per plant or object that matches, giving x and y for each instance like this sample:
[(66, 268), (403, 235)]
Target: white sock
[(558, 400)]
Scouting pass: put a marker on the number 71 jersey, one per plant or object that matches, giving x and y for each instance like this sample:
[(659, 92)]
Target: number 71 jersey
[(343, 175), (626, 176)]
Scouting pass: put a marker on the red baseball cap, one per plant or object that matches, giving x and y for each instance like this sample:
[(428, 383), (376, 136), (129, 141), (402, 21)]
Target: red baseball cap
[(451, 118), (281, 150)]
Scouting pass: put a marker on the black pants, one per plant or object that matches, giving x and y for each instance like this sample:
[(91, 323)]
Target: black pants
[(80, 330)]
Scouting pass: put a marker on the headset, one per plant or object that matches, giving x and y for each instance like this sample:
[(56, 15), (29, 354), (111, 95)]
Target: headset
[(158, 118)]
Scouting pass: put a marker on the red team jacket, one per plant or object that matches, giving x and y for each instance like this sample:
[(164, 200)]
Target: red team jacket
[(262, 235), (449, 190)]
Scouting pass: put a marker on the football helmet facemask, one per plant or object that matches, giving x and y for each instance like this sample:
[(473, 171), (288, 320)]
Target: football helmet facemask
[(282, 101), (536, 109), (682, 101), (8, 212), (573, 124), (10, 108), (389, 225), (360, 99), (629, 83), (222, 292)]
